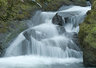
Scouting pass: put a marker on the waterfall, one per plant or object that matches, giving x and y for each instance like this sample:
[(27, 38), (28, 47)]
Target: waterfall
[(46, 40)]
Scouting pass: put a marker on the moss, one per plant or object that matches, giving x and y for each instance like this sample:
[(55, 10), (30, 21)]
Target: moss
[(3, 8), (53, 5), (88, 25), (87, 37), (91, 38), (14, 10), (10, 9)]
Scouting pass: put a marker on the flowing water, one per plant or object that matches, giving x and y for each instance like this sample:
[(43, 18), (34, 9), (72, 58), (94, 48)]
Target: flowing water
[(45, 45)]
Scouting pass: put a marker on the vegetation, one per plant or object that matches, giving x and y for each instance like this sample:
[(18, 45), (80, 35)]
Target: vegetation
[(11, 14), (87, 37), (53, 5)]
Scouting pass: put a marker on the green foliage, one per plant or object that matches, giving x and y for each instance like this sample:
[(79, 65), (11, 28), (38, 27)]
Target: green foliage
[(3, 8)]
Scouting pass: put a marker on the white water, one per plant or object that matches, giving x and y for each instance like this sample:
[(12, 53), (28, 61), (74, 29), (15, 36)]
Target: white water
[(42, 44), (34, 61)]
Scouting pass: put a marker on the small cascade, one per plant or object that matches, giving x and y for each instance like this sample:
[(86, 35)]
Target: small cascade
[(44, 39), (45, 42)]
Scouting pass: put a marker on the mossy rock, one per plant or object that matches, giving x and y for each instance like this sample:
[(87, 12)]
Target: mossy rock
[(87, 37), (53, 5)]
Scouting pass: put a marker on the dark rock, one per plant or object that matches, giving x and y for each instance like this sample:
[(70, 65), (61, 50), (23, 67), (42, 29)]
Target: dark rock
[(61, 18), (66, 20), (34, 34), (28, 34), (57, 19)]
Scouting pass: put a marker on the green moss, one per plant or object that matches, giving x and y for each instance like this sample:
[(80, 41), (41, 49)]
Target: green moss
[(87, 37), (10, 9), (91, 38), (88, 25), (53, 5), (14, 10)]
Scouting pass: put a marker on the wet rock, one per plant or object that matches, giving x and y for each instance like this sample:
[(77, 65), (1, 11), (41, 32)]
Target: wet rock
[(35, 34), (87, 37), (61, 18), (57, 19), (27, 36)]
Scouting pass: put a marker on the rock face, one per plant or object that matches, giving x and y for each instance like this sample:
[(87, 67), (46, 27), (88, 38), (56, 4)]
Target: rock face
[(87, 37)]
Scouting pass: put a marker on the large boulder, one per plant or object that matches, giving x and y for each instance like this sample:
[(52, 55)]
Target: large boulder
[(87, 37)]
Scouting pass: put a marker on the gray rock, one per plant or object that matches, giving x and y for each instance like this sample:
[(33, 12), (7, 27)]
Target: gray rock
[(61, 18), (57, 19)]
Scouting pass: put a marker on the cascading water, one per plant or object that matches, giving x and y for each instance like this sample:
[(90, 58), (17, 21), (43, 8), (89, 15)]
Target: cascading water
[(45, 43)]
